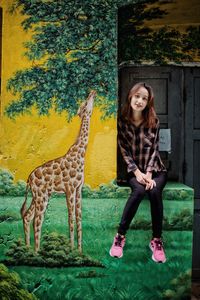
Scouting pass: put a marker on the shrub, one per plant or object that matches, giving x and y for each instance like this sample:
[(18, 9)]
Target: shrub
[(180, 287), (9, 216), (179, 221), (55, 252), (7, 185), (10, 287)]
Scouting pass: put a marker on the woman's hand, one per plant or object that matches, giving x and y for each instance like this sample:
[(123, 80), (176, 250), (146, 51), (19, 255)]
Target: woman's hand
[(140, 177), (150, 182), (145, 179)]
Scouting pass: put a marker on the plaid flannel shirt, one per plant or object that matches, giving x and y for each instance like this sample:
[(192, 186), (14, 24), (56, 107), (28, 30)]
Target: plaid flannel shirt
[(139, 147)]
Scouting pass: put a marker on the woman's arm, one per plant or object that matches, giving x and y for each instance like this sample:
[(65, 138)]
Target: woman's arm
[(124, 147), (152, 160)]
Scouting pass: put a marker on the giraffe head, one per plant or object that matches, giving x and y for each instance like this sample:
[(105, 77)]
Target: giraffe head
[(85, 110)]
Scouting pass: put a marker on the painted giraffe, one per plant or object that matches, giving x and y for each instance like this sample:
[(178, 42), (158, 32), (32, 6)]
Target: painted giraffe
[(62, 175)]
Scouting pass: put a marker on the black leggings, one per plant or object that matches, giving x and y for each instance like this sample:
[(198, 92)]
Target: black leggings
[(155, 197)]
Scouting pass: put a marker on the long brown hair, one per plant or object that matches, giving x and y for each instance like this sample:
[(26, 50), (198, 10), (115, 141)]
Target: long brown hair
[(149, 114)]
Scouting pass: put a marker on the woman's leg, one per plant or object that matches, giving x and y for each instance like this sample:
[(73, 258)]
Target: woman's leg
[(155, 197), (130, 209)]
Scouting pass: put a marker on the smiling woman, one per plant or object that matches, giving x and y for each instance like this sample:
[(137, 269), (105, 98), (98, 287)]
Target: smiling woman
[(138, 128)]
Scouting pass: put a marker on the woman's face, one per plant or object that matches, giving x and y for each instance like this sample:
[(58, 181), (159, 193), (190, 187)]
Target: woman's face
[(140, 99)]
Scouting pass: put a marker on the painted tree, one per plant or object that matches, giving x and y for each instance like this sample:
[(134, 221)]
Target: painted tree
[(138, 42), (74, 49)]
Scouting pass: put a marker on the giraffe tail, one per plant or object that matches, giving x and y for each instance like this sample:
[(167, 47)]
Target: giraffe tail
[(23, 208)]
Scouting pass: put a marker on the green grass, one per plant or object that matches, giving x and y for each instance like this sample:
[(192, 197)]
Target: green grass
[(135, 276)]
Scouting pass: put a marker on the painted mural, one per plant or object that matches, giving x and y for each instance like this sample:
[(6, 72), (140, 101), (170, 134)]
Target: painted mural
[(69, 52), (61, 175)]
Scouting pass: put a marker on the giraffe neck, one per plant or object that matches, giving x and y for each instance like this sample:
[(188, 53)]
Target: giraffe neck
[(82, 139), (84, 131)]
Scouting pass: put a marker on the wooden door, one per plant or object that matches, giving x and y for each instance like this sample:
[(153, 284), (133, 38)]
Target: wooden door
[(192, 154), (167, 83)]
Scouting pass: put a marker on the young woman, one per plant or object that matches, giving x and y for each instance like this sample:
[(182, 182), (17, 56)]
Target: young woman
[(138, 133)]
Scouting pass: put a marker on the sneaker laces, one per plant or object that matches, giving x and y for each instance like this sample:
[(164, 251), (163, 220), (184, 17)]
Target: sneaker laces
[(118, 241), (159, 244)]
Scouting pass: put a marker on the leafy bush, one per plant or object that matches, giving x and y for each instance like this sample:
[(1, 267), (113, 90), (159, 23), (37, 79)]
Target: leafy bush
[(55, 252), (7, 185), (90, 274), (180, 221), (180, 287), (109, 190), (9, 217), (10, 287)]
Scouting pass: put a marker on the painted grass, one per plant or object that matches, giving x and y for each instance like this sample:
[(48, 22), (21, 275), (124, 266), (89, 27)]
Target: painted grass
[(135, 276)]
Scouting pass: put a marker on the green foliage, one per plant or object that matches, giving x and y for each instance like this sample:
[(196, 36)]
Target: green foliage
[(74, 49), (9, 216), (180, 287), (90, 274), (105, 190), (191, 41), (77, 44), (10, 286), (138, 42), (182, 220), (55, 252), (7, 185)]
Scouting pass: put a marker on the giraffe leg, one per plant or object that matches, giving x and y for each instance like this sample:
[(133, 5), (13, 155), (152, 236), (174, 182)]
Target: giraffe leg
[(70, 198), (27, 218), (38, 220), (78, 212)]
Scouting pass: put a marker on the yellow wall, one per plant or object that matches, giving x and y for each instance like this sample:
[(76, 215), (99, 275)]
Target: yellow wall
[(31, 140)]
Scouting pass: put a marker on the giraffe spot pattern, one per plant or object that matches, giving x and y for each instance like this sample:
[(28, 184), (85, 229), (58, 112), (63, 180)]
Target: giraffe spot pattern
[(75, 183), (75, 149), (44, 189), (65, 173), (74, 165), (57, 180), (37, 182), (55, 166), (48, 164), (78, 177), (58, 160), (57, 172), (38, 173), (67, 164), (62, 166), (49, 171), (66, 179), (72, 173), (47, 178), (52, 176)]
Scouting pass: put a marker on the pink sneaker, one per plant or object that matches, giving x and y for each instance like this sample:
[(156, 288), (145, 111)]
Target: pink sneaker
[(117, 246), (158, 254)]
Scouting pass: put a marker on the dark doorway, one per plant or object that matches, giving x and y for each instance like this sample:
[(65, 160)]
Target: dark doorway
[(192, 154), (167, 83), (177, 102)]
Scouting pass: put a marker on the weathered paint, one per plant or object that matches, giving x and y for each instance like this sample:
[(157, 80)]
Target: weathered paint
[(31, 140)]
